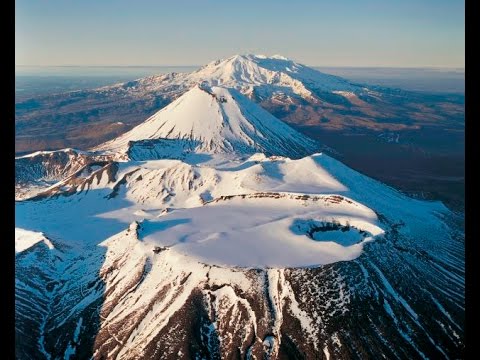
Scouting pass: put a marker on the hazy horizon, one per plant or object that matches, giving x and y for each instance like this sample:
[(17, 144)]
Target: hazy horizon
[(35, 80), (449, 68)]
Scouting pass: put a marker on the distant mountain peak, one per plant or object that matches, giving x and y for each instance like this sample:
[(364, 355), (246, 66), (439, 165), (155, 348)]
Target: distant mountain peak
[(249, 70), (264, 61)]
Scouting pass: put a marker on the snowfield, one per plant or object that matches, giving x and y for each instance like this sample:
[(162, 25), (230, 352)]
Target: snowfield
[(248, 213), (258, 232)]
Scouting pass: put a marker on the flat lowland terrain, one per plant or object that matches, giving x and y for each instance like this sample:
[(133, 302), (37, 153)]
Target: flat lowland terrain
[(425, 164)]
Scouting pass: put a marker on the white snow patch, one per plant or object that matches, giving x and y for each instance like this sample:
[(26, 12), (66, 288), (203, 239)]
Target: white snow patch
[(326, 352), (25, 239)]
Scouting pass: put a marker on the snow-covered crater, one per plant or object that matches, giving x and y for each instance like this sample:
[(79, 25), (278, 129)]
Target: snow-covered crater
[(261, 230)]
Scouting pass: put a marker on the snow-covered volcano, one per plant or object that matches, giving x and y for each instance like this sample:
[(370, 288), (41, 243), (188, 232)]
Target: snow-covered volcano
[(258, 77), (213, 120), (264, 249), (247, 71)]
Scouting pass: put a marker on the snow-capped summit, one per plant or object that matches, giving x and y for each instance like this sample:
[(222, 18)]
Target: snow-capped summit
[(214, 120), (240, 71)]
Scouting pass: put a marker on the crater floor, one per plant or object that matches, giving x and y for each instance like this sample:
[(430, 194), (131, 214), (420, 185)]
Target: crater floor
[(264, 231)]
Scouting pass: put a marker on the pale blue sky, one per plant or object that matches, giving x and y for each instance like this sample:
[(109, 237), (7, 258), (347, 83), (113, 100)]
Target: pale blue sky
[(398, 33)]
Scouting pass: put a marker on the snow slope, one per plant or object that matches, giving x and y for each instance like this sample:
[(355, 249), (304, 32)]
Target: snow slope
[(154, 244), (215, 120), (25, 239), (222, 214), (42, 169), (147, 246)]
